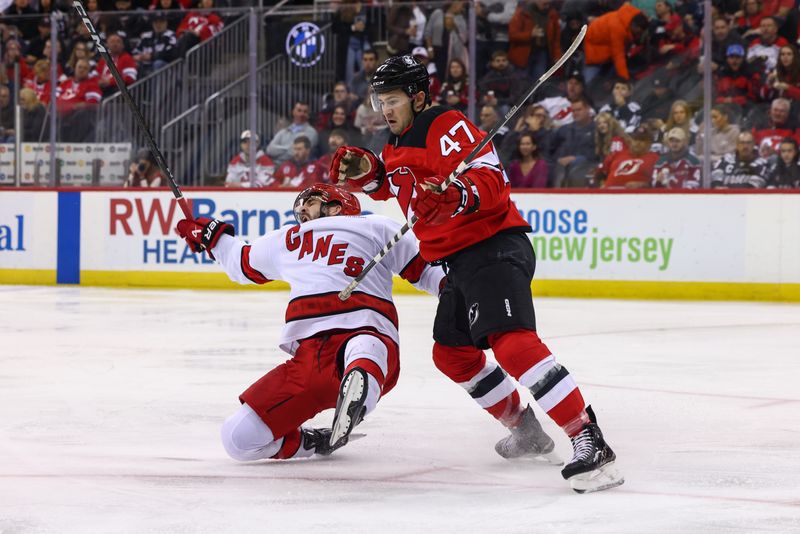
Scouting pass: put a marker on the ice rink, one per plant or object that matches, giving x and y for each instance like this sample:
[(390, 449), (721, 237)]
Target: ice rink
[(111, 402)]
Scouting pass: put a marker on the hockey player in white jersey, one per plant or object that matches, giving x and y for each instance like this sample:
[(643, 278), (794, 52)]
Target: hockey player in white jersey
[(344, 354)]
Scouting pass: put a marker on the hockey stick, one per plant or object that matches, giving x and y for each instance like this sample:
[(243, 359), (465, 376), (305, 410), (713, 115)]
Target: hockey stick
[(134, 109), (346, 292)]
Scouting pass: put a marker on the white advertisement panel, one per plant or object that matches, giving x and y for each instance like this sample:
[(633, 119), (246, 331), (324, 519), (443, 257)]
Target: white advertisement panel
[(79, 163), (650, 237), (28, 224), (134, 230), (626, 237)]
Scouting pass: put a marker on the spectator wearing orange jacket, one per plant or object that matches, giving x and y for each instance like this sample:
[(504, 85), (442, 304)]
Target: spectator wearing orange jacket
[(534, 37), (608, 37)]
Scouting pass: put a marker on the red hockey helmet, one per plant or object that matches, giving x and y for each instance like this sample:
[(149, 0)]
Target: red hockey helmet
[(329, 193)]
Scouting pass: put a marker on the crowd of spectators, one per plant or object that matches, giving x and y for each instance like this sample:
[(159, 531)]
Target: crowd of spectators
[(624, 112), (142, 36)]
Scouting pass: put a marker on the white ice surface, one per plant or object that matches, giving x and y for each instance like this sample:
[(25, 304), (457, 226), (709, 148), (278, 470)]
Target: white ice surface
[(111, 402)]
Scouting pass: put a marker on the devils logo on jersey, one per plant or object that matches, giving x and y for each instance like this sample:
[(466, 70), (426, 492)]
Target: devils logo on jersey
[(402, 180)]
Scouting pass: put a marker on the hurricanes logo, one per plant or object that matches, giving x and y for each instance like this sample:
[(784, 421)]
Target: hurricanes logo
[(473, 314), (305, 44)]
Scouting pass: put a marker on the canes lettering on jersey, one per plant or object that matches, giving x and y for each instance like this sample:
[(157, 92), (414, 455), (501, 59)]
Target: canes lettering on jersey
[(318, 259), (323, 248)]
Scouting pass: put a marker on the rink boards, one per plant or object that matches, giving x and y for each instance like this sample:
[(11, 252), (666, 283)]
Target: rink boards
[(623, 245)]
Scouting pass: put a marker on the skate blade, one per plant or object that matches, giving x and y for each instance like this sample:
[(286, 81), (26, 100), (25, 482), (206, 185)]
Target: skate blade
[(606, 477), (354, 396)]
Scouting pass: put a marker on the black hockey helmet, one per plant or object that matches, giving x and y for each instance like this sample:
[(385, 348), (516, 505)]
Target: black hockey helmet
[(329, 194), (402, 72)]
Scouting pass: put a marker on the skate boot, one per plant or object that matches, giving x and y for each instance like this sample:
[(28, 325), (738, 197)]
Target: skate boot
[(592, 465), (528, 440), (318, 440), (350, 406)]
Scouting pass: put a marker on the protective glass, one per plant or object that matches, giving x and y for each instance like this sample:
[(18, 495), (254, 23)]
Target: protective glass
[(384, 103)]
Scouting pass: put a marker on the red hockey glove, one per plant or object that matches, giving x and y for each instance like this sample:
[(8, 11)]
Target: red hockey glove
[(203, 233), (460, 198), (360, 167)]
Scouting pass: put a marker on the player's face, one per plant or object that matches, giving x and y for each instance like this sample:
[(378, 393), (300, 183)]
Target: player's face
[(313, 208), (308, 210), (396, 109)]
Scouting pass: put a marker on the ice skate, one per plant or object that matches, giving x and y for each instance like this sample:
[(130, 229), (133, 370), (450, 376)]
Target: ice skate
[(528, 440), (318, 440), (350, 406), (592, 465)]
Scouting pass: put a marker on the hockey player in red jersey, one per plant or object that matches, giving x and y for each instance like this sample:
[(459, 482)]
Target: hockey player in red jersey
[(344, 354), (475, 229)]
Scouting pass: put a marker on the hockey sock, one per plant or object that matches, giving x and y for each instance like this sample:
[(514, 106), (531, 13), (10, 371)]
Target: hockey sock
[(484, 380), (292, 447), (370, 354), (523, 354)]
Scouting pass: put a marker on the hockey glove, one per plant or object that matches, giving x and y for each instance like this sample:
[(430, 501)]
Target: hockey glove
[(357, 166), (203, 233), (460, 198)]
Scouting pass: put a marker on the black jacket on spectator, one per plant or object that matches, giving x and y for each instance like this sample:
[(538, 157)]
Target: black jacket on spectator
[(34, 128), (574, 140), (732, 173), (27, 26), (160, 45), (7, 117), (785, 176), (507, 85)]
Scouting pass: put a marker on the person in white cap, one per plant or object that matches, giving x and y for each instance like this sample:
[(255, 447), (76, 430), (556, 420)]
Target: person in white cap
[(239, 169), (677, 168), (421, 55)]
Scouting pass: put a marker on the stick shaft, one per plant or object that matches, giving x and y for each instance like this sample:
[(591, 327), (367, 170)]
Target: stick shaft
[(137, 114), (346, 292)]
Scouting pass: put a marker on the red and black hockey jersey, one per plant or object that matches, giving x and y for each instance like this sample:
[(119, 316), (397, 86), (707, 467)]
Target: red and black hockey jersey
[(435, 144)]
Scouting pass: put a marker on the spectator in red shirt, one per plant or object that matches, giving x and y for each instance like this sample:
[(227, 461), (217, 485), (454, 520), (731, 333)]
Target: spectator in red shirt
[(76, 100), (736, 84), (768, 134), (124, 62), (12, 54), (197, 27), (777, 8), (341, 96), (299, 171), (633, 167), (335, 139), (748, 19), (144, 172), (40, 81)]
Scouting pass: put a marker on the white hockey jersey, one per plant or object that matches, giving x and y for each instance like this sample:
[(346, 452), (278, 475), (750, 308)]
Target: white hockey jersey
[(320, 258), (239, 171)]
